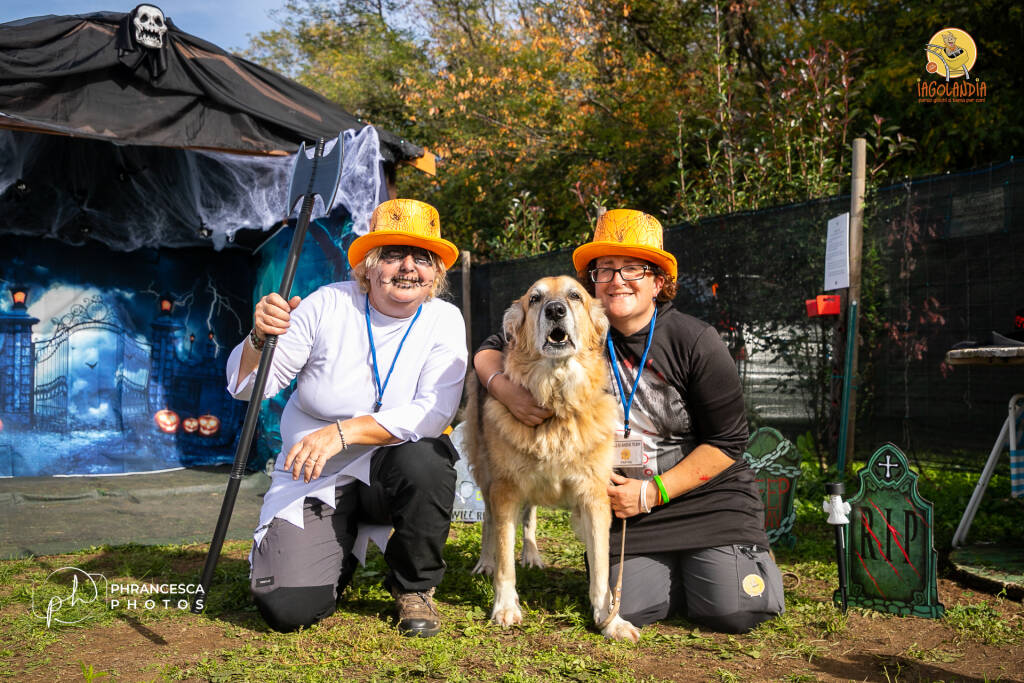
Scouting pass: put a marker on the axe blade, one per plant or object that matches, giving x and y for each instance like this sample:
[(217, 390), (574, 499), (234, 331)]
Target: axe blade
[(313, 176)]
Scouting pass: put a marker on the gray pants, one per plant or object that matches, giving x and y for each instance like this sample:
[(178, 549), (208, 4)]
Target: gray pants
[(729, 588), (298, 574)]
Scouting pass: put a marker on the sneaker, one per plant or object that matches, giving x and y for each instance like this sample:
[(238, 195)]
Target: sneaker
[(417, 613)]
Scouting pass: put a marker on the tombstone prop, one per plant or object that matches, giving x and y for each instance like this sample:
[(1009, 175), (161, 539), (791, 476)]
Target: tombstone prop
[(776, 464), (890, 557), (469, 503)]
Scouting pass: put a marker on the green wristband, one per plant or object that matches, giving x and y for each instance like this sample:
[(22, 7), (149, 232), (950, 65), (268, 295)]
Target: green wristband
[(661, 487)]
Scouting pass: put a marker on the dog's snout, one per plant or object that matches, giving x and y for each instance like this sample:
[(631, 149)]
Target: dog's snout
[(555, 310)]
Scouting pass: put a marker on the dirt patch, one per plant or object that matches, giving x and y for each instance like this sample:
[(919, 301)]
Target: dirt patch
[(128, 650), (871, 647)]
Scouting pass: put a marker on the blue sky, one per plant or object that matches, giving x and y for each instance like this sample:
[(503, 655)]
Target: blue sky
[(224, 22)]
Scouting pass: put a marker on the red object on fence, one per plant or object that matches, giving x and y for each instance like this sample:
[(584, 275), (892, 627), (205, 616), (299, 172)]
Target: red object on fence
[(823, 304)]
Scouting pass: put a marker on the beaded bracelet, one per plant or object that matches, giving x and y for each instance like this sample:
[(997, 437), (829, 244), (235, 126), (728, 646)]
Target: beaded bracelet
[(344, 444), (255, 341)]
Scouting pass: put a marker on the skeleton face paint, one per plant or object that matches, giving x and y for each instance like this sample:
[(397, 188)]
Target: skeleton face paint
[(150, 26)]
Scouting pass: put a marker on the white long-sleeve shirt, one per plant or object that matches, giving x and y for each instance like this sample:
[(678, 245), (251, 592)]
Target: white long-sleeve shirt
[(327, 349)]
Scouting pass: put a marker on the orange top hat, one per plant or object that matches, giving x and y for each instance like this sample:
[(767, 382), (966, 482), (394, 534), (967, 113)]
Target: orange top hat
[(626, 232), (404, 222)]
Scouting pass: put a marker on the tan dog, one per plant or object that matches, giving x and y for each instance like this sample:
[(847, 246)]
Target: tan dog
[(555, 336)]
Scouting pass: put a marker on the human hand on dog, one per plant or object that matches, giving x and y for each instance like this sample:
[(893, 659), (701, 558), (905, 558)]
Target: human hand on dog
[(308, 456), (519, 401), (624, 494)]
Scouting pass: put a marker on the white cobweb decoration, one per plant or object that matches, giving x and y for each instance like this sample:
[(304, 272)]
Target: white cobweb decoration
[(139, 197), (268, 180), (359, 187)]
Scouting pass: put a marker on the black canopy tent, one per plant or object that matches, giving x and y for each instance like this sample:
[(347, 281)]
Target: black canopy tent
[(109, 140), (162, 151)]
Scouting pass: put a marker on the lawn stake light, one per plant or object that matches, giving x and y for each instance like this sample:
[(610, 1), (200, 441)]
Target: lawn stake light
[(838, 512), (314, 176)]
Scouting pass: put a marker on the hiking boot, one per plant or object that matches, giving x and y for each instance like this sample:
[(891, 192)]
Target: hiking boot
[(417, 613)]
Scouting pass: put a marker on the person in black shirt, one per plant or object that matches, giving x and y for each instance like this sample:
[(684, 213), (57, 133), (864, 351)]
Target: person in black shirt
[(695, 543)]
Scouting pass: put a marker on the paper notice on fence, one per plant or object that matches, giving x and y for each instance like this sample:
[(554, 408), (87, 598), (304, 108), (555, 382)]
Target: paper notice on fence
[(837, 253)]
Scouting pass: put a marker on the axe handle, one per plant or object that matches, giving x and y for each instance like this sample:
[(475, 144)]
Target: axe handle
[(253, 410)]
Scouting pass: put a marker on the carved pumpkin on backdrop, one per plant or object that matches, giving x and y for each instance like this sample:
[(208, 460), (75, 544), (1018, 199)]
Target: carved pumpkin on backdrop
[(209, 425), (166, 420)]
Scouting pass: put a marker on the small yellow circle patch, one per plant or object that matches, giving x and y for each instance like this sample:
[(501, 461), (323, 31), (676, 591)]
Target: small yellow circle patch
[(753, 585)]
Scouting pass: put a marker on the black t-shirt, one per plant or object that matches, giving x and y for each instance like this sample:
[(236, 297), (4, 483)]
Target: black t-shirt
[(689, 393)]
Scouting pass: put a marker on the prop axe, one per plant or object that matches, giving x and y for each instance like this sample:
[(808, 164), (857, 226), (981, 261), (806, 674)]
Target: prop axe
[(312, 176)]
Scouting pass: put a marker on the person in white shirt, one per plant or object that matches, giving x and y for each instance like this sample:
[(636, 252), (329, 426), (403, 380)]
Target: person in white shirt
[(379, 365)]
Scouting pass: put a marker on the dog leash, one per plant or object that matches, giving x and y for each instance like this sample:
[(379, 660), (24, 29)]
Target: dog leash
[(617, 597)]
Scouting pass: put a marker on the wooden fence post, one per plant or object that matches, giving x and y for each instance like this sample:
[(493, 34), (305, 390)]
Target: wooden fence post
[(467, 306), (856, 249)]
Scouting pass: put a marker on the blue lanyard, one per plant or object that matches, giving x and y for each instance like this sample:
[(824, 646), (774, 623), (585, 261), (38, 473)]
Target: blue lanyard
[(628, 403), (373, 352)]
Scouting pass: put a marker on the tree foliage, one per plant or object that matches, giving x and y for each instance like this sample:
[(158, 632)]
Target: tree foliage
[(681, 109)]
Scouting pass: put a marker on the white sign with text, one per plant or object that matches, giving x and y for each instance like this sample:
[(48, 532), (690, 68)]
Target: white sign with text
[(837, 253)]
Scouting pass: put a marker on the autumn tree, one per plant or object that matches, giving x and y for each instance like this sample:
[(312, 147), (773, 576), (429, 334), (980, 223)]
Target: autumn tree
[(680, 109)]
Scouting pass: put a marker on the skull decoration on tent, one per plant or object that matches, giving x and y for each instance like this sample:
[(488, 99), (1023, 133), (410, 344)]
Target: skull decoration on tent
[(150, 26), (141, 38)]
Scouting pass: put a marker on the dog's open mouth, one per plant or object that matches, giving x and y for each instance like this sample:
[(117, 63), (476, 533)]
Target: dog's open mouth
[(557, 338)]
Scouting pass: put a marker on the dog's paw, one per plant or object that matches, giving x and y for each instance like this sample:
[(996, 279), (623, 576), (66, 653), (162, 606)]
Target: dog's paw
[(484, 566), (506, 615), (620, 629), (530, 557)]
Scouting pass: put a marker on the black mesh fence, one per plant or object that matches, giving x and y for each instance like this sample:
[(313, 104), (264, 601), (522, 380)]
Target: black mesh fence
[(954, 271), (942, 264)]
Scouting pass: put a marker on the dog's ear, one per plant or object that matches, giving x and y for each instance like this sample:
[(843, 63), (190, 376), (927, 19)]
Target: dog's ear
[(599, 319), (512, 321)]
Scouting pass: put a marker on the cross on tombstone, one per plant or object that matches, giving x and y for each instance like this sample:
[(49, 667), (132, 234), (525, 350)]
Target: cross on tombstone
[(889, 466)]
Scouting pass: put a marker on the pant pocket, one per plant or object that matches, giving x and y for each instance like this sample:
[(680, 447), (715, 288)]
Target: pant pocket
[(760, 580)]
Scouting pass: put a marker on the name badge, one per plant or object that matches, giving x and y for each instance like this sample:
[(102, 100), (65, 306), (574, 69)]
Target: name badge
[(629, 452)]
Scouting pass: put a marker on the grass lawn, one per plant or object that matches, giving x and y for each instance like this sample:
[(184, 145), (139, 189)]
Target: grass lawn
[(978, 639)]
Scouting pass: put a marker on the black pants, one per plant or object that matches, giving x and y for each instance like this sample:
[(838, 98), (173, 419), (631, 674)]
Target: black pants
[(298, 574)]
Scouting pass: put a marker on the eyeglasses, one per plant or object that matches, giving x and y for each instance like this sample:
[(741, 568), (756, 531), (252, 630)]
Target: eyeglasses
[(627, 273), (392, 255)]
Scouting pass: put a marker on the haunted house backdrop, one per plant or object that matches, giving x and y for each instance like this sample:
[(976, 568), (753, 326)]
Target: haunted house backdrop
[(143, 182)]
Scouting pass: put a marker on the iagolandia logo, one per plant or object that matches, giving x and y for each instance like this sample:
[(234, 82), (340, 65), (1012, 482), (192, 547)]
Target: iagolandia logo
[(951, 54)]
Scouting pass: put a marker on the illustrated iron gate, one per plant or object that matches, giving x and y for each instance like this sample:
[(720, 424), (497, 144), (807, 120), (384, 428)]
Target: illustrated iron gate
[(50, 396), (52, 391)]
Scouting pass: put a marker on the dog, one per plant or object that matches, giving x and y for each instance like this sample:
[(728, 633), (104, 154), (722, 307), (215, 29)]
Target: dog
[(555, 334)]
